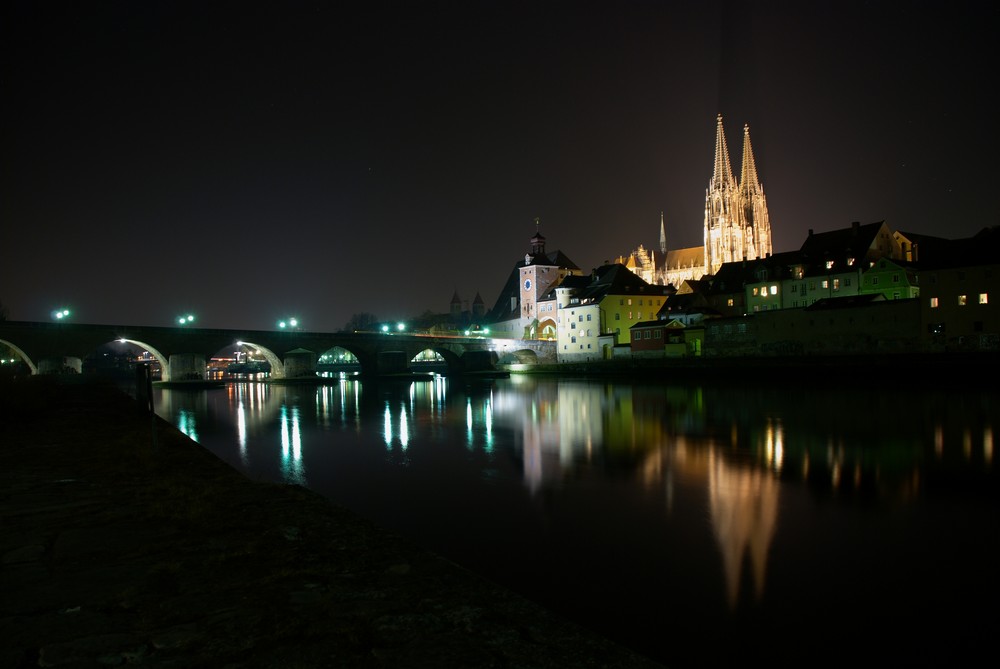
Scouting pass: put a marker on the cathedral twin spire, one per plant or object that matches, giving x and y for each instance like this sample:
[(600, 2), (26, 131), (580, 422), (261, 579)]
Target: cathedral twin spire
[(722, 176), (736, 222)]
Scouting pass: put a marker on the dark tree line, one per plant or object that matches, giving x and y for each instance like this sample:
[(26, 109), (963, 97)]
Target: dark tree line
[(361, 321)]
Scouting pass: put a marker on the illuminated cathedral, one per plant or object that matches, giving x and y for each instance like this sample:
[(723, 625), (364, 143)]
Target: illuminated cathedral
[(736, 224)]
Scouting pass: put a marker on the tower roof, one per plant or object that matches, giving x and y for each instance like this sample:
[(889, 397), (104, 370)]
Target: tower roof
[(748, 174), (723, 174)]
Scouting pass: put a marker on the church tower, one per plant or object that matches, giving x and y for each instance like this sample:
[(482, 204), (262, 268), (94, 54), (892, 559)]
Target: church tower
[(736, 222), (758, 225), (723, 215)]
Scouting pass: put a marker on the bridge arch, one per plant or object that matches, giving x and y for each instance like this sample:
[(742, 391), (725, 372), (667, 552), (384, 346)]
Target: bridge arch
[(452, 361), (21, 354), (160, 358), (277, 366)]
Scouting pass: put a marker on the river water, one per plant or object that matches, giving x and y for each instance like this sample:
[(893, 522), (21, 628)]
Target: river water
[(697, 524)]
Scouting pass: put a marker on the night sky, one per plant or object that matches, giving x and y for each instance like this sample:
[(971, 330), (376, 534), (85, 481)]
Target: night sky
[(249, 161)]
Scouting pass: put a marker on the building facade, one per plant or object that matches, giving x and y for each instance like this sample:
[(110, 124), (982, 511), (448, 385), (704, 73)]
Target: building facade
[(595, 314)]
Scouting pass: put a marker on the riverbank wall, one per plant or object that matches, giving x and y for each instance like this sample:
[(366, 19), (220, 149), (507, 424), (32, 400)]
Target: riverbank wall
[(932, 369)]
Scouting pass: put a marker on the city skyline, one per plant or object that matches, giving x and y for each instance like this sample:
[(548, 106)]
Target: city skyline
[(250, 163)]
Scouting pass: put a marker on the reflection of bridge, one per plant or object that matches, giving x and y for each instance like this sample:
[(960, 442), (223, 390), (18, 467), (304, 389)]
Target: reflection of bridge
[(56, 347)]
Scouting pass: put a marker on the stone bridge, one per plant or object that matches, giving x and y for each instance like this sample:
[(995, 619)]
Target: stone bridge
[(53, 348)]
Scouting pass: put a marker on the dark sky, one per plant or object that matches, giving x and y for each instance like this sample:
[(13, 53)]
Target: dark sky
[(247, 161)]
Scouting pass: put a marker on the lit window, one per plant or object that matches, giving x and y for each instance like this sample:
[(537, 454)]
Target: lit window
[(825, 283), (754, 291), (984, 298), (630, 301), (774, 290), (729, 302), (829, 264), (963, 300), (836, 284)]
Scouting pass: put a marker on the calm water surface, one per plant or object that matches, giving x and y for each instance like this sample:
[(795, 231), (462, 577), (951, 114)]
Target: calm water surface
[(696, 524)]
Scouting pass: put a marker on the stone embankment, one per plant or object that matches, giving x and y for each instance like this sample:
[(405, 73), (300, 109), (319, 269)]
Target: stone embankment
[(123, 542)]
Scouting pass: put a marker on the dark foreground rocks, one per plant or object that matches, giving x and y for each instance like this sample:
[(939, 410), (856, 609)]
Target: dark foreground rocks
[(125, 543)]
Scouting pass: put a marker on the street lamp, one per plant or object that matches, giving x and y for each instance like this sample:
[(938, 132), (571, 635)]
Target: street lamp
[(185, 320), (290, 323), (400, 326), (60, 314)]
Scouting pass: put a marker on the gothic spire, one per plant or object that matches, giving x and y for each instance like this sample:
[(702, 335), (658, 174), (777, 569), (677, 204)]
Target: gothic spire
[(723, 174), (748, 175), (663, 236)]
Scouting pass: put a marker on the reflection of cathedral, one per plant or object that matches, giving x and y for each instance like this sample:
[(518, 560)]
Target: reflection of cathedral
[(736, 224), (744, 510)]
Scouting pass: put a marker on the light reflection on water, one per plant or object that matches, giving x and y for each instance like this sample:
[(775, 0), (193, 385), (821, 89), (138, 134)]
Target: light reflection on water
[(647, 510)]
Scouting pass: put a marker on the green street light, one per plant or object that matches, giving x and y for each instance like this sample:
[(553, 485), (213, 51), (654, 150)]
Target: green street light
[(185, 320), (400, 326), (385, 328), (288, 323), (60, 314)]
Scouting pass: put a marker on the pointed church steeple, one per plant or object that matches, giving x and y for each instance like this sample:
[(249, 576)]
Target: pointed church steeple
[(748, 174), (722, 176), (537, 242), (663, 236), (478, 306)]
